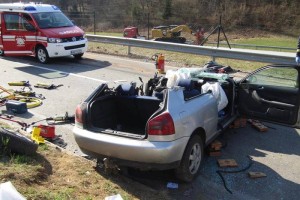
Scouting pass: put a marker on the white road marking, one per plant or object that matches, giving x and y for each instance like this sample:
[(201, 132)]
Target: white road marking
[(72, 74)]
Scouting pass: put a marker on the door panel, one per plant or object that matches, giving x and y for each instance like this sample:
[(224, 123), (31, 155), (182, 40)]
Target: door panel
[(19, 35), (271, 94)]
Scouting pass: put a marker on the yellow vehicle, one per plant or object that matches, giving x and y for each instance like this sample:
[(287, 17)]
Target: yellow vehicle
[(170, 33)]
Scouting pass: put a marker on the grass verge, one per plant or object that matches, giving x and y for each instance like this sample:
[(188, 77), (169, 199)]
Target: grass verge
[(55, 174)]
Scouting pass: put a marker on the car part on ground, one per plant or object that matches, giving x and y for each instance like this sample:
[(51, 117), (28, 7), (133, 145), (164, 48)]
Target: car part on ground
[(15, 142)]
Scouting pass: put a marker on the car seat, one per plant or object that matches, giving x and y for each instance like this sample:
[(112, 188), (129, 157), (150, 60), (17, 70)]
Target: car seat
[(189, 88)]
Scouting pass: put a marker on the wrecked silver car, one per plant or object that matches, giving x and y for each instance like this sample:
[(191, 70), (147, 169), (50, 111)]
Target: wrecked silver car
[(166, 123)]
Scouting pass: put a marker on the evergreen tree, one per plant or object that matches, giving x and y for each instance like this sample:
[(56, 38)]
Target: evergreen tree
[(168, 9)]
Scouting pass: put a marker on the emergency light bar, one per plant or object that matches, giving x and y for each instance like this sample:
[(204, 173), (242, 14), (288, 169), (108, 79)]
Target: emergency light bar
[(28, 7)]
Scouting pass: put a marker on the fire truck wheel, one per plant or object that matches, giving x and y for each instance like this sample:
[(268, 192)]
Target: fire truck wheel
[(15, 142), (1, 52), (42, 54), (78, 56)]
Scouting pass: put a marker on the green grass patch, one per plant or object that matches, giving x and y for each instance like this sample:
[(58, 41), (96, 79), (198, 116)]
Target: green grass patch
[(106, 34), (290, 42)]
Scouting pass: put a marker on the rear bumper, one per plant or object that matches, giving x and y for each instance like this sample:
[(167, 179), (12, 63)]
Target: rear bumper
[(131, 152), (67, 49)]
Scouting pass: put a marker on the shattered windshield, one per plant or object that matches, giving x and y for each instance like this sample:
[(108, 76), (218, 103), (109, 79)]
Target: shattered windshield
[(52, 20)]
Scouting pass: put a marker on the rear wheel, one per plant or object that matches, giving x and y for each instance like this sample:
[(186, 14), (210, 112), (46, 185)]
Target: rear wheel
[(42, 54), (191, 160), (78, 56)]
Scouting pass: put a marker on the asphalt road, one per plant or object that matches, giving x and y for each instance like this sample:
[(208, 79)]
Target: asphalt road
[(275, 153)]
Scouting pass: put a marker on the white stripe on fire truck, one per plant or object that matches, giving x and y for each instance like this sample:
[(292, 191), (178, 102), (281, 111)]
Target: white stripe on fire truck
[(31, 36), (15, 52), (41, 38), (9, 36)]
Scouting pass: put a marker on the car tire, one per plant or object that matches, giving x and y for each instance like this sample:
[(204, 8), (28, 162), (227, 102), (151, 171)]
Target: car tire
[(1, 52), (78, 56), (17, 143), (191, 160), (42, 55)]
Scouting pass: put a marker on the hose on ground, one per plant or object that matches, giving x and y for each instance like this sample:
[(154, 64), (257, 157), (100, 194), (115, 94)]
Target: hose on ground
[(219, 172)]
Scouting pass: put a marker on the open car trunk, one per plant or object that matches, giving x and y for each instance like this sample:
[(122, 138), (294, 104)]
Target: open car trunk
[(123, 115)]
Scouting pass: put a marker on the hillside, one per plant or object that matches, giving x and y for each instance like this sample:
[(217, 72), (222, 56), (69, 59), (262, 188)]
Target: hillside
[(281, 16)]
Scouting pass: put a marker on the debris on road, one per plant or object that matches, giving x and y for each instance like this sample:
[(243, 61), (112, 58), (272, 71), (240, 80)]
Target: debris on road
[(23, 125), (16, 107), (47, 86), (35, 136), (15, 142), (214, 153), (215, 148), (20, 83), (22, 96), (239, 123), (258, 125), (219, 172), (47, 131), (114, 197), (227, 163), (171, 185), (256, 174), (8, 191)]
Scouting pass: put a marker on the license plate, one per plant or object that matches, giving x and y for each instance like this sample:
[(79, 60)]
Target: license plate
[(77, 51)]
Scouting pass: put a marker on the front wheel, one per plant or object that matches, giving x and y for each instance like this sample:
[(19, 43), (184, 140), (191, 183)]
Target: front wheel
[(1, 52), (42, 55), (78, 56), (191, 160)]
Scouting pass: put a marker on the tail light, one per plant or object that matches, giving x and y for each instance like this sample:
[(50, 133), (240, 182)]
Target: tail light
[(162, 124), (78, 116)]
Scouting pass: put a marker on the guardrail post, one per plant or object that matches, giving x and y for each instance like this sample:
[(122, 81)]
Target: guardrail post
[(129, 51), (213, 58)]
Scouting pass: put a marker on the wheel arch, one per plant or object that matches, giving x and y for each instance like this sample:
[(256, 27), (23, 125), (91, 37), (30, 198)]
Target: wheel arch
[(38, 45), (200, 132)]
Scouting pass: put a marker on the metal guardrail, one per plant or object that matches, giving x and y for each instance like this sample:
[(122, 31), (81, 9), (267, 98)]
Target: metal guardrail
[(239, 54)]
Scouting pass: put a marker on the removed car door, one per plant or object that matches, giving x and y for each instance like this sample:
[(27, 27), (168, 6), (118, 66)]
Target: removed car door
[(271, 93)]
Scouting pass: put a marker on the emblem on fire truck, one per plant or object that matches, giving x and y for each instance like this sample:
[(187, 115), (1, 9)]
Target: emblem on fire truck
[(20, 41)]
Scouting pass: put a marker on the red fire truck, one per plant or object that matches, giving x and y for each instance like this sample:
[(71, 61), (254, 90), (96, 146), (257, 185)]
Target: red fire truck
[(39, 30)]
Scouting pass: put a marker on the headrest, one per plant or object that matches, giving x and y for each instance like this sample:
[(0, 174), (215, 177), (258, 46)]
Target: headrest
[(125, 89), (188, 84)]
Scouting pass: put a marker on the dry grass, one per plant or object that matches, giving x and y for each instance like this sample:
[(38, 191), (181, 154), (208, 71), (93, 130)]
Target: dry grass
[(171, 58)]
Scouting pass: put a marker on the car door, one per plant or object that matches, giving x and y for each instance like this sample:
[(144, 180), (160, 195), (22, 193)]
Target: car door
[(271, 93), (19, 34)]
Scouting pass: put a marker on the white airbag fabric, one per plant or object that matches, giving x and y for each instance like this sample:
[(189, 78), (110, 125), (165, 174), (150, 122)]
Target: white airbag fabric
[(217, 92), (9, 192)]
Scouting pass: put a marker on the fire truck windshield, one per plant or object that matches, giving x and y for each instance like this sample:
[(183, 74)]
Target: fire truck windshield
[(52, 20)]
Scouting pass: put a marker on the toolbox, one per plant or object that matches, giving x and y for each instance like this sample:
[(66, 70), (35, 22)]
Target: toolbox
[(16, 106), (47, 131)]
